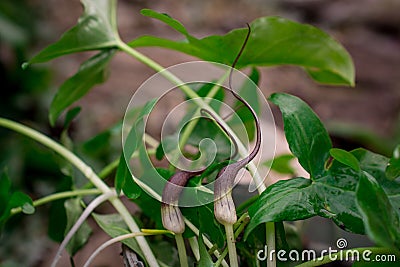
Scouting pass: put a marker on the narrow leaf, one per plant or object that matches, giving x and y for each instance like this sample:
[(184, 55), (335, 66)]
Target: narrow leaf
[(71, 115), (74, 210), (345, 157), (114, 226), (92, 72), (205, 258), (307, 137), (124, 181), (176, 25)]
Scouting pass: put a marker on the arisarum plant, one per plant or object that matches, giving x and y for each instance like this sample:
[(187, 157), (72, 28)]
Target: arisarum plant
[(340, 184)]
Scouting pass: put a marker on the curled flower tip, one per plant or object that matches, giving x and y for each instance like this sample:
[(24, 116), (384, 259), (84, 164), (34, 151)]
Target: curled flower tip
[(172, 218)]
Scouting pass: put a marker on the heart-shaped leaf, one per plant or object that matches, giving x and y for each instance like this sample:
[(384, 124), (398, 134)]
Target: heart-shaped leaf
[(273, 41)]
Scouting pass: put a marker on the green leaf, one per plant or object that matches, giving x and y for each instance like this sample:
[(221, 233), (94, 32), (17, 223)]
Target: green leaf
[(345, 157), (273, 41), (135, 135), (281, 164), (286, 200), (71, 115), (124, 181), (205, 258), (176, 25), (203, 218), (96, 29), (91, 72), (218, 98), (331, 196), (114, 226), (393, 168), (74, 210), (57, 219), (381, 220), (123, 178), (307, 137), (5, 186), (19, 199)]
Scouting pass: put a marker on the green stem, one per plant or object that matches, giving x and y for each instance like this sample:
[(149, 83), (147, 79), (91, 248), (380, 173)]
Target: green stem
[(56, 196), (239, 229), (190, 93), (207, 242), (192, 124), (230, 240), (181, 250), (89, 174), (270, 242), (330, 258), (107, 170), (194, 245)]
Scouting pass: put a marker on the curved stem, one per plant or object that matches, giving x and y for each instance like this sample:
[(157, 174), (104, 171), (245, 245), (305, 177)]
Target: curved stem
[(190, 93), (110, 242), (200, 102), (331, 257), (230, 240), (56, 196), (181, 250), (89, 174), (90, 208)]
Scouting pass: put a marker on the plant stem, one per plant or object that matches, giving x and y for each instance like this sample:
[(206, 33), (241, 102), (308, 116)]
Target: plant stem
[(270, 242), (230, 240), (181, 250), (89, 174), (194, 245), (110, 242), (331, 257), (190, 93), (107, 170), (200, 102), (240, 227), (56, 196), (205, 239)]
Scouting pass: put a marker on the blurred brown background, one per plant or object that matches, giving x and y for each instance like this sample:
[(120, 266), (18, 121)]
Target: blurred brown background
[(368, 114)]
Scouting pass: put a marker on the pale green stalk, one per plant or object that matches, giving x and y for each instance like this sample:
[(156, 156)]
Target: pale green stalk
[(230, 240), (61, 195), (270, 227), (194, 245), (180, 243), (89, 174), (110, 242)]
